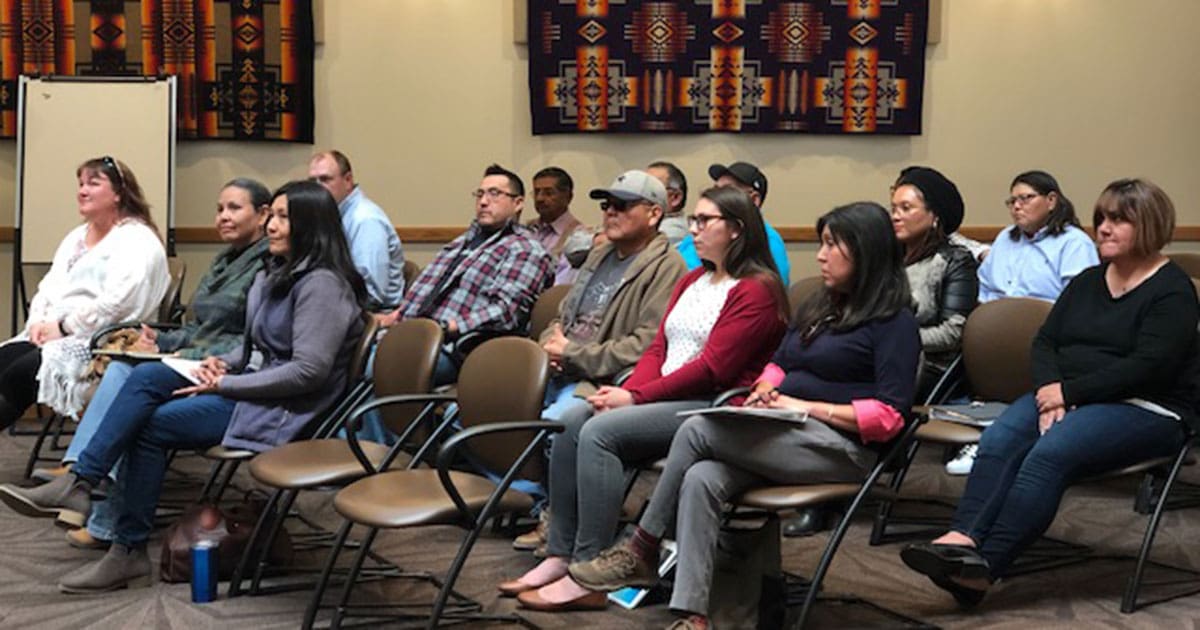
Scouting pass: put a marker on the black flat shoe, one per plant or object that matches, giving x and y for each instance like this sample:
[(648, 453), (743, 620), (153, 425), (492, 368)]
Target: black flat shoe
[(966, 596), (946, 561)]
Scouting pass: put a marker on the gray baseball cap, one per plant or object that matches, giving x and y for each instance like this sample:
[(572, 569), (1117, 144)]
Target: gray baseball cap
[(633, 186)]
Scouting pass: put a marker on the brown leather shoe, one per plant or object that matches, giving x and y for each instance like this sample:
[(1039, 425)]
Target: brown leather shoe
[(512, 588), (82, 539), (595, 600)]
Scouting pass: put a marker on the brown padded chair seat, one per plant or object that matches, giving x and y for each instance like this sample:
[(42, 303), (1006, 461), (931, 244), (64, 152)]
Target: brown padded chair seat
[(777, 498), (222, 453), (944, 432), (313, 463), (405, 498)]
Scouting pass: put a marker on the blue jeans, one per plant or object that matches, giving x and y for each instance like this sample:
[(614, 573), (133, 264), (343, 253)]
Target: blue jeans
[(143, 424), (1019, 476), (103, 518)]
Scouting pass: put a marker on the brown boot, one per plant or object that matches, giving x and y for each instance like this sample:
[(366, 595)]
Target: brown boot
[(83, 539), (531, 540), (68, 499), (121, 567)]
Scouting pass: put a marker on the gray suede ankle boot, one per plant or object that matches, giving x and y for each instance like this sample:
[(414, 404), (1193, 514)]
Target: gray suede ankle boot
[(68, 499), (121, 567)]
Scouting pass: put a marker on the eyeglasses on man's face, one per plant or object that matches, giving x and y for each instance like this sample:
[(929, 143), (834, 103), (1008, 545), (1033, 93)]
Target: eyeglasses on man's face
[(1016, 200), (491, 193)]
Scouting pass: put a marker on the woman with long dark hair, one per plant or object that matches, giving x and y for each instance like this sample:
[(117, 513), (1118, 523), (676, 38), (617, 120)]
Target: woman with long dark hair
[(304, 318), (110, 269), (849, 361), (721, 324), (1114, 367)]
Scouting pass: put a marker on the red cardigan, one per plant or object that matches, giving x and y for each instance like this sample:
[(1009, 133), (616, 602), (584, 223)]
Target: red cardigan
[(741, 343)]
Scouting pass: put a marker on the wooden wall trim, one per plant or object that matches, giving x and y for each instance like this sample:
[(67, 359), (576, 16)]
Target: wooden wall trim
[(442, 234)]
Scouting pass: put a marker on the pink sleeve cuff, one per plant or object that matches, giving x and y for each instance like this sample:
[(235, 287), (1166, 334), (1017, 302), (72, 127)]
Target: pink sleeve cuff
[(877, 422), (772, 374)]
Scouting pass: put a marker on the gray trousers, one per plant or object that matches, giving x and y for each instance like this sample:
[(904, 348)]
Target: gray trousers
[(713, 460), (587, 470)]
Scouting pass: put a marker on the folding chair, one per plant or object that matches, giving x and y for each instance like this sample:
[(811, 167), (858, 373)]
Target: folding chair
[(995, 360), (404, 362), (227, 460), (500, 391)]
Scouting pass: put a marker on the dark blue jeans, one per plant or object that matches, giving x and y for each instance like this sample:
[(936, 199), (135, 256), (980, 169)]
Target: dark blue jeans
[(144, 423), (1019, 476)]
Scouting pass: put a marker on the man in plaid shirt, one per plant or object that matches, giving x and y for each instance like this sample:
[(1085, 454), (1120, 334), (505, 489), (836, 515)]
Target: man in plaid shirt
[(488, 278)]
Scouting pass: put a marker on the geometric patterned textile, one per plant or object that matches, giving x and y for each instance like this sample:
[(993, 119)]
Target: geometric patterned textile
[(244, 67), (825, 66)]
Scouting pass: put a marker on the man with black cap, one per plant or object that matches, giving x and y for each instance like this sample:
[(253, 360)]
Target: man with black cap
[(612, 312), (750, 180)]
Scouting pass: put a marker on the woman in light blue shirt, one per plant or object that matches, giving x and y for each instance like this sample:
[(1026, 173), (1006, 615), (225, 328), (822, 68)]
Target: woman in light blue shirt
[(1034, 257), (1044, 248)]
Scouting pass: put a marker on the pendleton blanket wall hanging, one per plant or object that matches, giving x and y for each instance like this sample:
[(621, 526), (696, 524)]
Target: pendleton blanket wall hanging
[(826, 66), (245, 67)]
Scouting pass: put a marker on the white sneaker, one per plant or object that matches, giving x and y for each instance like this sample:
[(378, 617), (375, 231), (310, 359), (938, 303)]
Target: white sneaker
[(962, 463)]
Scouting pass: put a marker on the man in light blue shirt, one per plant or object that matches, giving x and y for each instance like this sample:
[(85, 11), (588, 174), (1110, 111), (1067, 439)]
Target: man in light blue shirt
[(374, 246), (750, 180)]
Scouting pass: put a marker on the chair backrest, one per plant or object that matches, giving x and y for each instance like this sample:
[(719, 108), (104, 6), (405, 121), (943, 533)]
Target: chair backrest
[(404, 362), (411, 271), (1189, 261), (801, 289), (546, 309), (31, 276), (168, 310), (362, 352), (997, 343), (503, 380)]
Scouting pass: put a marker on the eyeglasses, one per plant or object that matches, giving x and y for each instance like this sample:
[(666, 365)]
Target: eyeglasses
[(112, 164), (1015, 200), (701, 221), (619, 205), (492, 193)]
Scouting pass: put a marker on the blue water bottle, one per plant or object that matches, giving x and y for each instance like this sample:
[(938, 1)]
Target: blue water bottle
[(204, 571)]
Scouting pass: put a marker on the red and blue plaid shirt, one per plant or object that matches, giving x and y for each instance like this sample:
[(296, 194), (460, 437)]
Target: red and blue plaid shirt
[(492, 287)]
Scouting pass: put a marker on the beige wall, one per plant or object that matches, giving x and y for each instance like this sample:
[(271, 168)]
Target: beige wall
[(422, 95)]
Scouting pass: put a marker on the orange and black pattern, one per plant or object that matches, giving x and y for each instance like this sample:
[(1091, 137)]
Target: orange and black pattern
[(245, 67), (823, 66)]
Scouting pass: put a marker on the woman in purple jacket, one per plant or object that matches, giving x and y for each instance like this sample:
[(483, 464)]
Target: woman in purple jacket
[(302, 321)]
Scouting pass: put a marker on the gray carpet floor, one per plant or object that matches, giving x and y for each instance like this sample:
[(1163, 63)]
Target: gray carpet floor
[(34, 554)]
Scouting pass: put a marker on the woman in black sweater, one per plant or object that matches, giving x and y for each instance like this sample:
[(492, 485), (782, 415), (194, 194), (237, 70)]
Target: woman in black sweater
[(1114, 366)]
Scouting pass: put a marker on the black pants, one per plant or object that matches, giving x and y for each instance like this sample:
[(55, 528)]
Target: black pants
[(19, 363)]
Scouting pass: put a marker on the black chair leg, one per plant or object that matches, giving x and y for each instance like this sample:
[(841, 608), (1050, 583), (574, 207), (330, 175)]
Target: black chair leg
[(35, 453), (884, 514), (835, 541), (264, 556), (352, 578), (209, 483), (314, 604), (1129, 600), (239, 572)]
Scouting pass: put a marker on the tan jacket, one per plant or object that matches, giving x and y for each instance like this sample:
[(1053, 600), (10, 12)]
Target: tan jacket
[(631, 319)]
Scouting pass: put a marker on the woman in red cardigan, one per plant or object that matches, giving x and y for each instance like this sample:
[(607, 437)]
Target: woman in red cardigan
[(722, 324)]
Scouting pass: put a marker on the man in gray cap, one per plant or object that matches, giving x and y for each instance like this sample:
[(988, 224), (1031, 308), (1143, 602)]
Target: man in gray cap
[(612, 312), (750, 180)]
